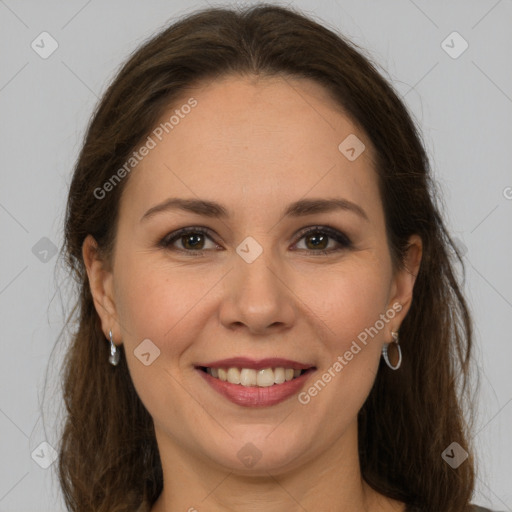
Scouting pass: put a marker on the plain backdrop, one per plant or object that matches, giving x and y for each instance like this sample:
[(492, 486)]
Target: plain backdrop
[(461, 98)]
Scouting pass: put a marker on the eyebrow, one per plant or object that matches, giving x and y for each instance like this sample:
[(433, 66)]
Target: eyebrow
[(212, 209)]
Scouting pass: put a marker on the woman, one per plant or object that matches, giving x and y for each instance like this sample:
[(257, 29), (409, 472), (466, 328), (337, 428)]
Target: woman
[(269, 314)]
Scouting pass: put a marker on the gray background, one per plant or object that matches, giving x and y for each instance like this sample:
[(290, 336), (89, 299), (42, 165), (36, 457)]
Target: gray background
[(464, 108)]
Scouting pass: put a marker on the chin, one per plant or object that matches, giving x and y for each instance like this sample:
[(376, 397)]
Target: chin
[(259, 455)]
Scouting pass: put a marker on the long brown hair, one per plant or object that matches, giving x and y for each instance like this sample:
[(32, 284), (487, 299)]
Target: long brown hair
[(108, 456)]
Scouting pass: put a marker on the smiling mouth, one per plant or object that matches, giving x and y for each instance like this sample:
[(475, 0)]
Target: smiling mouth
[(266, 377)]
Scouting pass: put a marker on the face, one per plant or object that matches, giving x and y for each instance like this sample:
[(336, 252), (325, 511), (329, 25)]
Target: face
[(314, 286)]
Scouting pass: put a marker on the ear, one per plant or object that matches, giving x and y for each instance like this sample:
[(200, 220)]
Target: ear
[(102, 288), (404, 279)]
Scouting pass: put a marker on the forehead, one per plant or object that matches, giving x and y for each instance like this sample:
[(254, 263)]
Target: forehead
[(252, 140)]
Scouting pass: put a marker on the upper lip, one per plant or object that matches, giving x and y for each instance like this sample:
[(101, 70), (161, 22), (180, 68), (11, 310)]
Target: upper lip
[(256, 364)]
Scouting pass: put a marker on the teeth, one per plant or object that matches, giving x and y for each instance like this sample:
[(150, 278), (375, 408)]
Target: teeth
[(233, 375), (249, 377), (265, 377), (279, 375)]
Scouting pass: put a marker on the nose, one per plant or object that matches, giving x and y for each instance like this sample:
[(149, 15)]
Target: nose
[(257, 298)]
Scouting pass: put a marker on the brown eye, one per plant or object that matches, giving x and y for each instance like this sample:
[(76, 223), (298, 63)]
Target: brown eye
[(317, 240), (192, 241), (189, 239)]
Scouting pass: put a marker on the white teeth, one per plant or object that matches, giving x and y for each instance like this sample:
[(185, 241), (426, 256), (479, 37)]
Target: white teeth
[(233, 375), (279, 377), (248, 377), (265, 377)]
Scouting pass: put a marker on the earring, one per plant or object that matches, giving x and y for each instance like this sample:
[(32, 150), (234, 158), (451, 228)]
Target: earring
[(113, 358), (394, 335)]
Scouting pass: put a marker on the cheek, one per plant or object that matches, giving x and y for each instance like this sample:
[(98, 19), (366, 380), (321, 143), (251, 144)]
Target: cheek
[(350, 301), (153, 296), (156, 302), (349, 310)]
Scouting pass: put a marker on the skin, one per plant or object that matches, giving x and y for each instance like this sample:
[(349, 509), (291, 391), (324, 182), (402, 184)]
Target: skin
[(254, 145)]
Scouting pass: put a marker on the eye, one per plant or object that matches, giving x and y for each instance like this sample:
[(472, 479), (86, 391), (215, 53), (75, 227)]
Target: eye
[(191, 239), (318, 238)]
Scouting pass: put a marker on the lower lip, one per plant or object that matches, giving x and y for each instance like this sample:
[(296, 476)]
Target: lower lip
[(256, 396)]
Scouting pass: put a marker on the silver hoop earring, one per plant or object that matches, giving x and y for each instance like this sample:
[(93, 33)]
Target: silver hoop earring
[(113, 358), (385, 351)]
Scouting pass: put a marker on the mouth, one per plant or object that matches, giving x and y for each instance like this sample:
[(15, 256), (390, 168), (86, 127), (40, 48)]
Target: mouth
[(264, 377), (251, 383)]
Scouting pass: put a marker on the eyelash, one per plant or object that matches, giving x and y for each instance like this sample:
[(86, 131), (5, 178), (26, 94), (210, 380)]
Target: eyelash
[(336, 235)]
